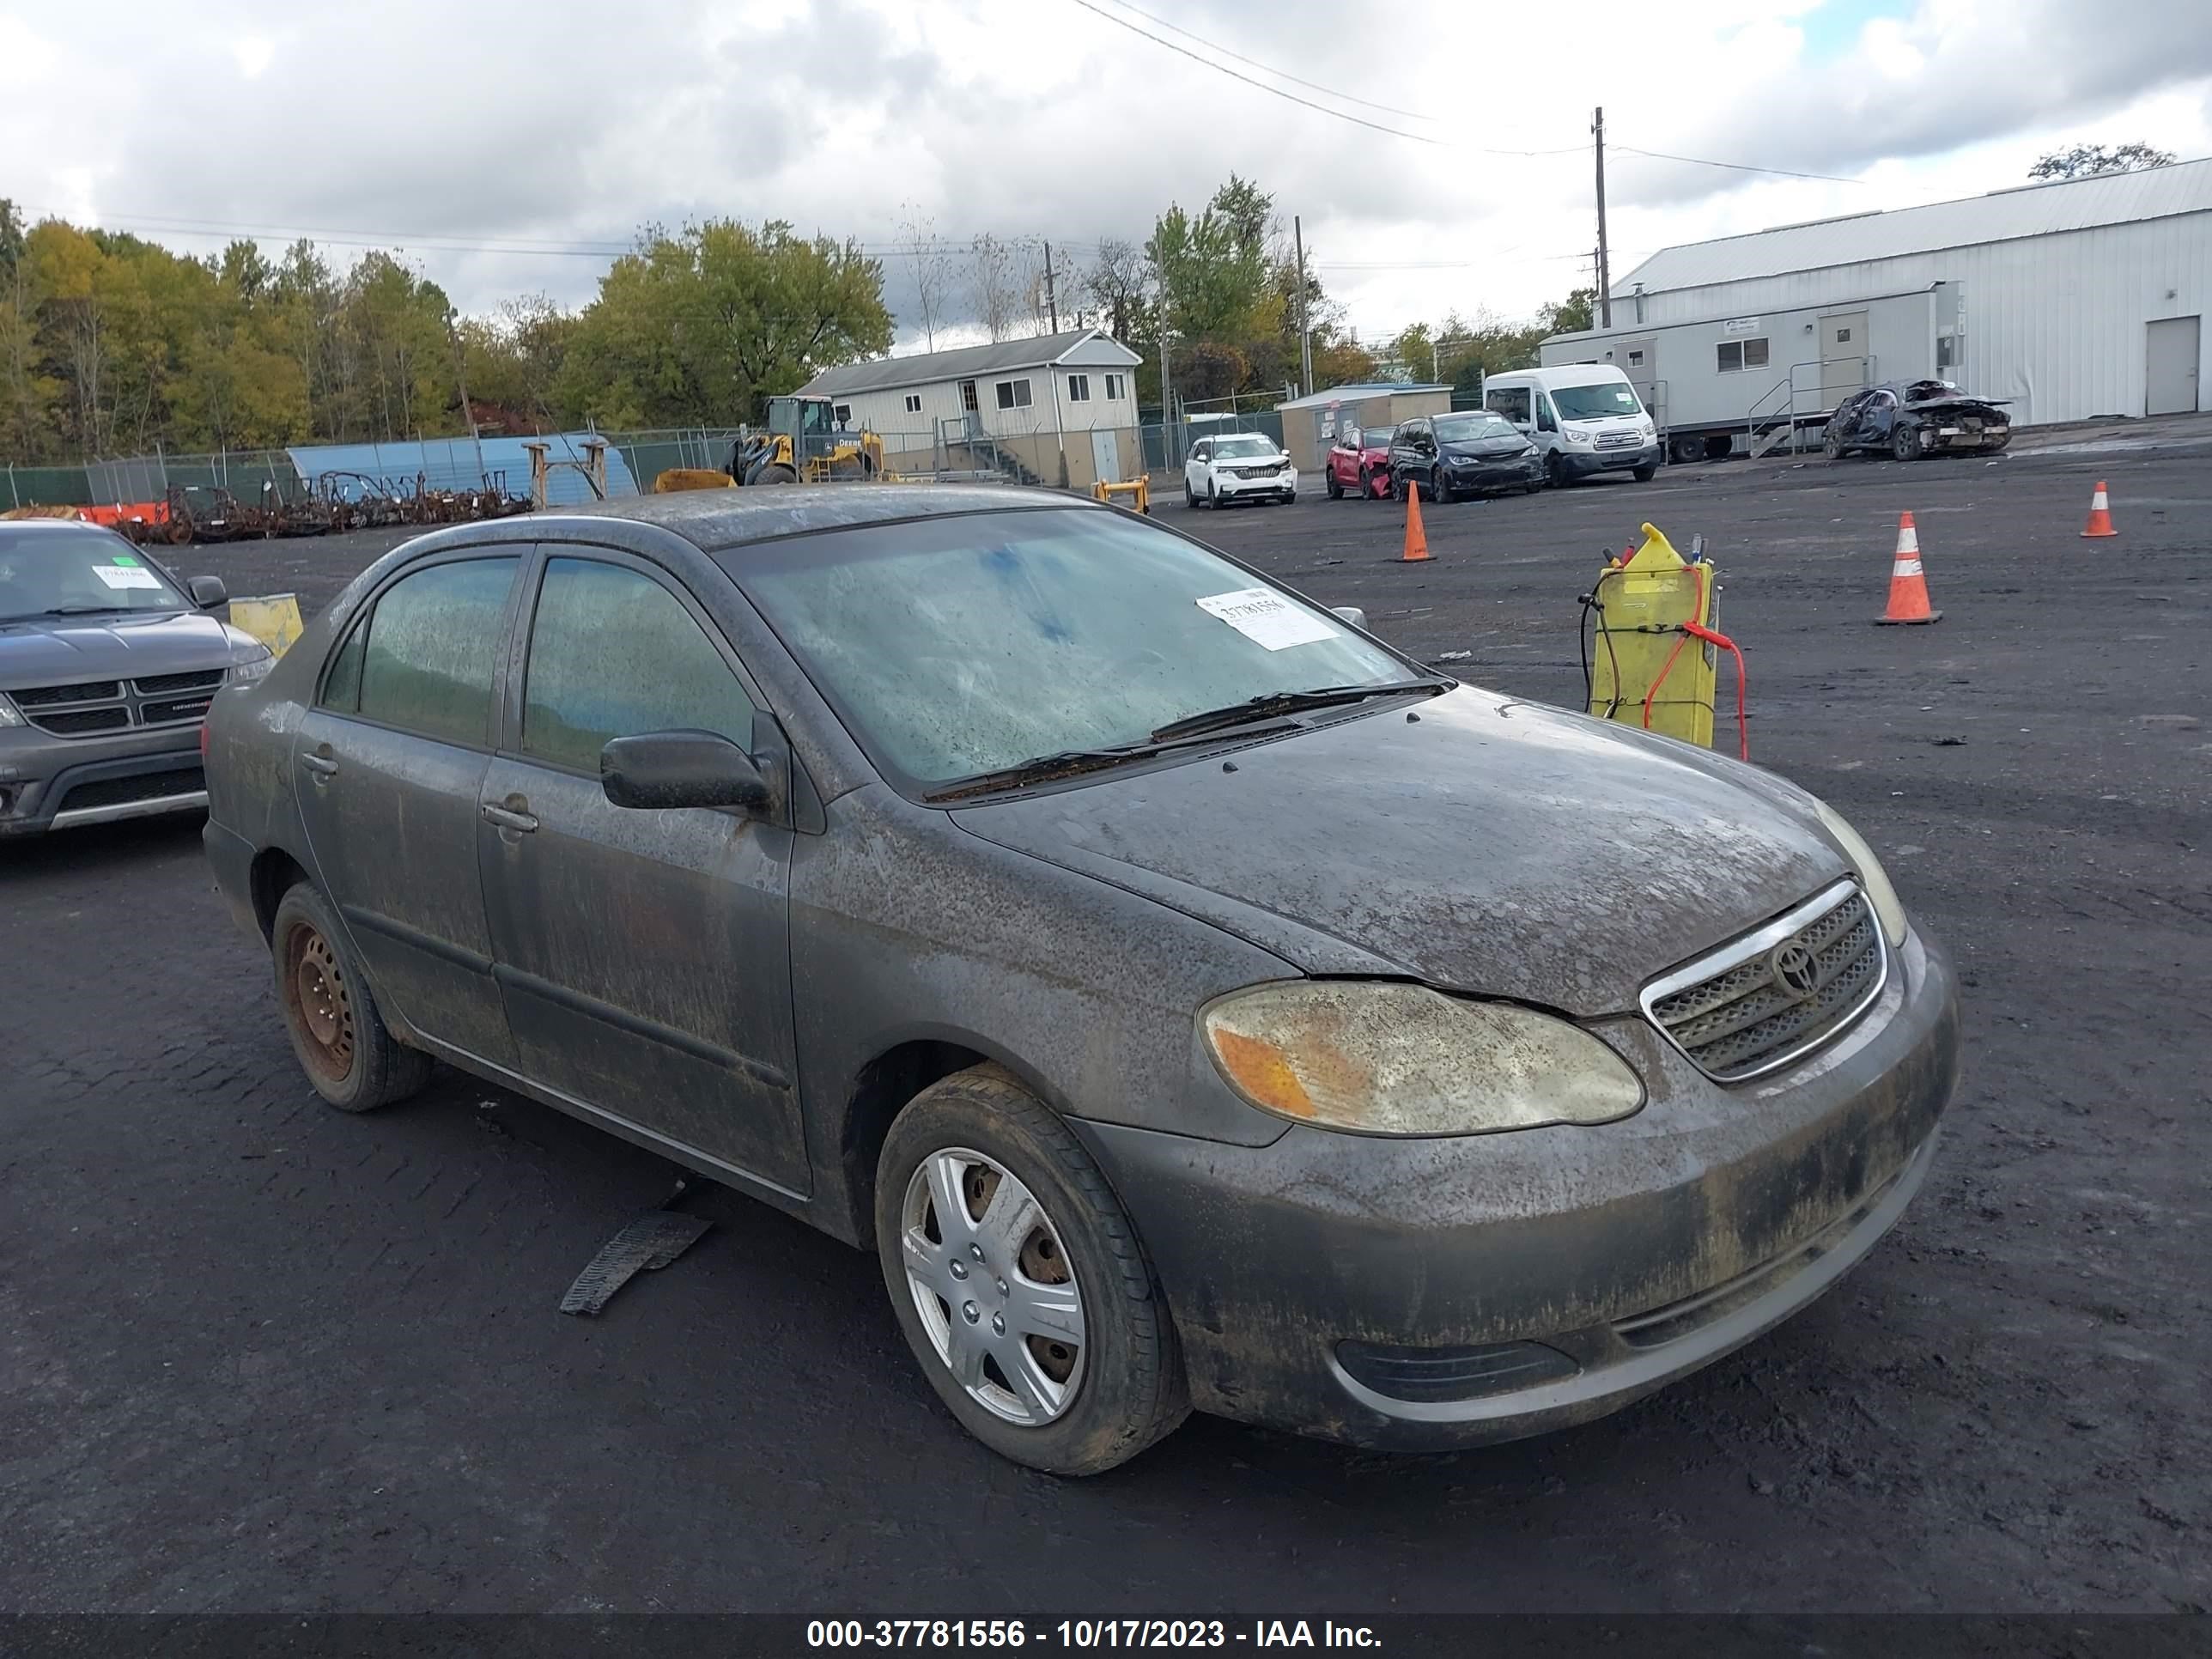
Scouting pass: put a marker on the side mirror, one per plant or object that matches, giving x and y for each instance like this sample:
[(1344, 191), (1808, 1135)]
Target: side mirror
[(662, 769), (208, 592), (1351, 613)]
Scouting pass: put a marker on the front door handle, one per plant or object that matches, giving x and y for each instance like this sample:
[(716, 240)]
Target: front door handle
[(507, 818), (321, 765)]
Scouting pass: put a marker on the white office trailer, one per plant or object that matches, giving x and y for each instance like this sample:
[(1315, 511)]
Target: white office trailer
[(2070, 300)]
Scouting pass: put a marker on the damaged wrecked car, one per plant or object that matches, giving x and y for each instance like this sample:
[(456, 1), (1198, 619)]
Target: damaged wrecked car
[(1908, 419), (1191, 1000)]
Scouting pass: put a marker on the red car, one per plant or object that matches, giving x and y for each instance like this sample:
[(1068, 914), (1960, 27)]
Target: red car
[(1359, 464)]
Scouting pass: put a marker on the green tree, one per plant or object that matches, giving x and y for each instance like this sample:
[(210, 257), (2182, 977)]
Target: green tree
[(705, 325), (2087, 161), (1575, 314)]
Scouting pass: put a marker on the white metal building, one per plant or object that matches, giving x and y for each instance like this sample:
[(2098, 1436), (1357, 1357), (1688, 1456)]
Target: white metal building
[(1072, 392), (2075, 299)]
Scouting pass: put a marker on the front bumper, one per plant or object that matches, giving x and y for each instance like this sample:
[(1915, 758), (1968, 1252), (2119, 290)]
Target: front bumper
[(1583, 462), (1280, 486), (1640, 1250), (1474, 477), (58, 783)]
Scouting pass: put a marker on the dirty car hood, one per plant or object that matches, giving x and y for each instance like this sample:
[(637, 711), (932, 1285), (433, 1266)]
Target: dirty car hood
[(59, 649), (1491, 847)]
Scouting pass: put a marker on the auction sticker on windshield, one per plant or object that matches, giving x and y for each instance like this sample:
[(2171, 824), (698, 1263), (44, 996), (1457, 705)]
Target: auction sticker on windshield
[(120, 576), (1266, 618)]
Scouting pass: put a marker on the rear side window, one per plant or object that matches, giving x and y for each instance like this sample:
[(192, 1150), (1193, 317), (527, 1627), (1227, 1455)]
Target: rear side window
[(1511, 401), (613, 653), (430, 649)]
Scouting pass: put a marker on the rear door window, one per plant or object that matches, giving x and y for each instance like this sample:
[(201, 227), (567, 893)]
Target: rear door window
[(1511, 401), (429, 652), (612, 654)]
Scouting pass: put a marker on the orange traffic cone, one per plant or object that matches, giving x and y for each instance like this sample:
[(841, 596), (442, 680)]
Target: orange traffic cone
[(1417, 539), (2100, 514), (1908, 587)]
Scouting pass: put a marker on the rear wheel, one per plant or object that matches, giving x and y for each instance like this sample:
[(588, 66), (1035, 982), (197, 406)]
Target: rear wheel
[(1684, 449), (340, 1039), (1019, 1281), (1331, 487)]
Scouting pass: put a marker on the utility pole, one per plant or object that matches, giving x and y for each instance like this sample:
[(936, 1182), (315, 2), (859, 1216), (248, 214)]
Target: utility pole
[(1051, 294), (1305, 333), (1604, 270), (1435, 360), (1167, 399)]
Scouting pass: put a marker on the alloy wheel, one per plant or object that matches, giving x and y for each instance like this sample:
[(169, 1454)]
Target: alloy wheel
[(992, 1284)]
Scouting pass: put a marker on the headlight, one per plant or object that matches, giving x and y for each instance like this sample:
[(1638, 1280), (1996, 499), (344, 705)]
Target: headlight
[(253, 669), (9, 716), (1576, 435), (1379, 1058), (1646, 427), (1871, 877)]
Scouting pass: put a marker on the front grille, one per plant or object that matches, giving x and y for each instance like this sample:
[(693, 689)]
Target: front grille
[(170, 712), (1754, 1006), (1616, 440), (147, 786), (1258, 472), (76, 722), (45, 697), (205, 679)]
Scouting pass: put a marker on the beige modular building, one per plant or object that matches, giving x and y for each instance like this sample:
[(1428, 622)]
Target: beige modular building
[(1310, 424)]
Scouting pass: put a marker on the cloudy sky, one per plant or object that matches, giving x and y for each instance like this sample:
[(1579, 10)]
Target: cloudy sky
[(516, 148)]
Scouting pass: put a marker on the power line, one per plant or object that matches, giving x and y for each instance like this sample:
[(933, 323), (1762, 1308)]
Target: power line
[(1734, 167), (1269, 68), (1356, 120)]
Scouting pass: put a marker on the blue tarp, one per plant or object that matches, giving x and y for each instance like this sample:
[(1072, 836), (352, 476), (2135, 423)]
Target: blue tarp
[(452, 463)]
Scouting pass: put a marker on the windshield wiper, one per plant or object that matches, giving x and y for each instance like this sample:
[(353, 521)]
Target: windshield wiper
[(1291, 702), (74, 610), (1061, 763)]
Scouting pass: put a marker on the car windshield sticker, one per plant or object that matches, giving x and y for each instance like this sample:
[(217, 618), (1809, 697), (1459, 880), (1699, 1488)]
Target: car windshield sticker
[(130, 574), (1266, 618), (124, 560)]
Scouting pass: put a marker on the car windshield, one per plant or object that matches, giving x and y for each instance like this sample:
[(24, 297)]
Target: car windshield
[(78, 571), (1473, 427), (1596, 403), (963, 645), (1243, 449), (1374, 437)]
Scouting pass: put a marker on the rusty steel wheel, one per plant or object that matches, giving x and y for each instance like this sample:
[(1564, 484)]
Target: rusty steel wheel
[(318, 999), (330, 1015)]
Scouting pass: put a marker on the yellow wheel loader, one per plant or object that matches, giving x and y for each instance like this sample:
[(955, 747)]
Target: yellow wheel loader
[(805, 445)]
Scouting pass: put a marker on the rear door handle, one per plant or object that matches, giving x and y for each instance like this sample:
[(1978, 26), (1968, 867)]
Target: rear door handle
[(521, 823), (321, 765)]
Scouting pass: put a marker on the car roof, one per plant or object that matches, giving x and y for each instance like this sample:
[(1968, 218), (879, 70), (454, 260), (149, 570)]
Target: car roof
[(711, 519), (20, 530), (1219, 437), (1559, 374)]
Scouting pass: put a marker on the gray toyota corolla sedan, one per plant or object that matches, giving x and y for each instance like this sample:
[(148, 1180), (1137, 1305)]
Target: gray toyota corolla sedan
[(1193, 1001)]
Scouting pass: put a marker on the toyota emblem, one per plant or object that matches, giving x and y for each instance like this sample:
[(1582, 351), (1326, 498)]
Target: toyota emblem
[(1794, 968)]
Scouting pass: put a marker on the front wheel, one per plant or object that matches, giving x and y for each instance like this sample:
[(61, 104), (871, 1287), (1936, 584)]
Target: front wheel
[(1904, 443), (776, 472), (1439, 491), (1832, 442), (1214, 495), (1645, 474), (1555, 470), (1019, 1281)]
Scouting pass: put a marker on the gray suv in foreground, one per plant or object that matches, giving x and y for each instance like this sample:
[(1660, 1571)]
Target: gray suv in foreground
[(108, 666), (1191, 1000)]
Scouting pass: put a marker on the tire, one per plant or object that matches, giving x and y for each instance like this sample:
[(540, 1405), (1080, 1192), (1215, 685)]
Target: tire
[(1643, 474), (1904, 443), (1214, 495), (1366, 485), (337, 1034), (1398, 487), (1831, 441), (1331, 487), (1439, 491), (1190, 496), (1123, 1383), (1555, 470), (776, 472), (1686, 450)]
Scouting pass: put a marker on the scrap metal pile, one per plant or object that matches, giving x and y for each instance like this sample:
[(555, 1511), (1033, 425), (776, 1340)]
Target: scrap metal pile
[(204, 514)]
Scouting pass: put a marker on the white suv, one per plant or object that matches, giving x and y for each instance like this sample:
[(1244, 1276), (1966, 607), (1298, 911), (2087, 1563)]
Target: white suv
[(1238, 466)]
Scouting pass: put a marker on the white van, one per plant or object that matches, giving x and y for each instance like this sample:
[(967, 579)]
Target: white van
[(1585, 418)]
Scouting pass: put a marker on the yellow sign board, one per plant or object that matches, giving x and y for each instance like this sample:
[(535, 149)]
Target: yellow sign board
[(273, 619)]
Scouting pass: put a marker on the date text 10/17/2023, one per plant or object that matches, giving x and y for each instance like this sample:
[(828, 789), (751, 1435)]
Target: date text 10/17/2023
[(1086, 1633)]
